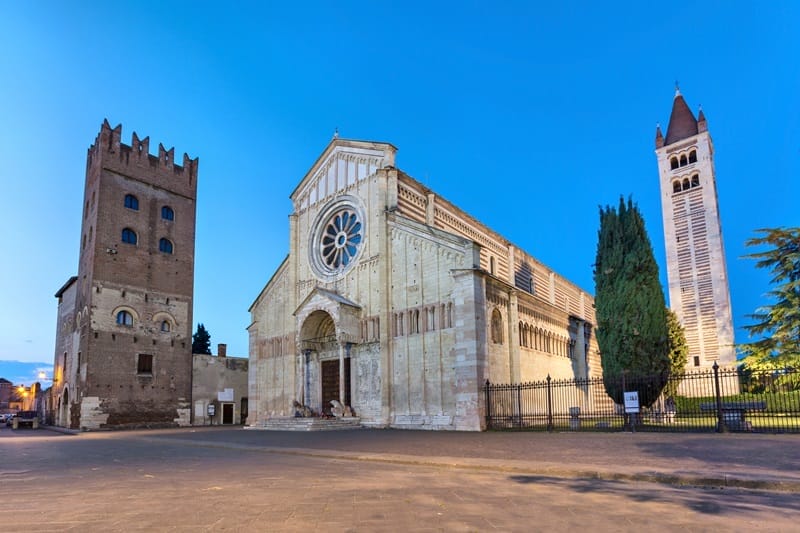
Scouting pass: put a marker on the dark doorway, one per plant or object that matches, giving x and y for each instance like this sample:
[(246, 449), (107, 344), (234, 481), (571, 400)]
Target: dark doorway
[(243, 411), (330, 383), (227, 413)]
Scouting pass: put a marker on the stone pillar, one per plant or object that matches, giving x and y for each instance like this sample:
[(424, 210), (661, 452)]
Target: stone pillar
[(513, 338), (341, 373)]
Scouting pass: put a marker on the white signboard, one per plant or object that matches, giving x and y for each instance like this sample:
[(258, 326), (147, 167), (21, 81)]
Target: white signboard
[(632, 402), (225, 396)]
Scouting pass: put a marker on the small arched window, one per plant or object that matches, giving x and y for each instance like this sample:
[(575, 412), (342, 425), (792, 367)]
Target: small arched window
[(693, 156), (696, 180), (131, 202), (129, 236), (673, 163), (125, 318), (497, 327), (686, 184), (167, 213), (165, 245), (166, 326), (676, 186), (683, 161)]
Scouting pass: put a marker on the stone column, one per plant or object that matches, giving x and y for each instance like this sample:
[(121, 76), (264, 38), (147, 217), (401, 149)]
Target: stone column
[(341, 373), (513, 338)]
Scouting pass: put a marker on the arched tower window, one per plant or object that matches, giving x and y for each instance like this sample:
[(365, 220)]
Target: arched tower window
[(673, 163), (165, 326), (686, 184), (696, 180), (167, 213), (683, 161), (131, 202), (124, 318), (129, 236), (693, 156), (676, 186), (165, 246)]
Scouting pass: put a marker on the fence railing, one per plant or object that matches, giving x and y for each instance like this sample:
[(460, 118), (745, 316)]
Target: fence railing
[(714, 399)]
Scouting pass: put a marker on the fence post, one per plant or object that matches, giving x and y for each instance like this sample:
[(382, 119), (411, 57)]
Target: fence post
[(519, 404), (549, 406), (488, 407), (720, 421)]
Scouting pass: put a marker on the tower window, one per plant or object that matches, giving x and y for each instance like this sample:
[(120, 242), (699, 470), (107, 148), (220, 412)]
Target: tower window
[(683, 161), (144, 363), (165, 326), (686, 184), (696, 180), (693, 156), (129, 236), (167, 213), (125, 318), (676, 186), (673, 163), (164, 245), (131, 202)]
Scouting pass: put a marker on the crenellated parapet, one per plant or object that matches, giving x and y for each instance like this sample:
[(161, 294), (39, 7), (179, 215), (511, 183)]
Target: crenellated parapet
[(135, 160)]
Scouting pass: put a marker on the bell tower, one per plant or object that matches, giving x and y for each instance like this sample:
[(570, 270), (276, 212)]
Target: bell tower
[(696, 271)]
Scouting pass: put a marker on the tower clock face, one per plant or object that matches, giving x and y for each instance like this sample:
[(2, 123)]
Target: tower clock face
[(337, 238)]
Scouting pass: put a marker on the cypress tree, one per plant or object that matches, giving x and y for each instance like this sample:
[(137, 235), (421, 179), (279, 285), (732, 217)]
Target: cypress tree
[(631, 314), (201, 341)]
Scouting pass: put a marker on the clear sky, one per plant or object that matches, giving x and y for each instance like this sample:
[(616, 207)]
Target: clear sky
[(527, 115)]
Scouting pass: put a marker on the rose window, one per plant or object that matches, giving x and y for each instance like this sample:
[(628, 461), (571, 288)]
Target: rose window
[(341, 239)]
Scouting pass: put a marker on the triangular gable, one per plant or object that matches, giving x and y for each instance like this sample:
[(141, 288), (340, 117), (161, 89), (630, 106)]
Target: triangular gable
[(320, 293), (341, 165)]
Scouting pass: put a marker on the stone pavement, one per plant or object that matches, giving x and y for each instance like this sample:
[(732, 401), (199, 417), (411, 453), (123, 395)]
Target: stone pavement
[(233, 479), (756, 461)]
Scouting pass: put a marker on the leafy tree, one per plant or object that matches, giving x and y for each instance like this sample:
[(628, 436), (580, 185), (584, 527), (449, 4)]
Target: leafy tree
[(678, 353), (778, 324), (201, 340), (631, 313)]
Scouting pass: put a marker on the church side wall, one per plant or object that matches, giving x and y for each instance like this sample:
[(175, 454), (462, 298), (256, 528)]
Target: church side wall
[(423, 326), (273, 351)]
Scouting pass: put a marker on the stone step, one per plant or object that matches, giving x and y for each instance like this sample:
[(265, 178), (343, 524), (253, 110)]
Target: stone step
[(309, 424)]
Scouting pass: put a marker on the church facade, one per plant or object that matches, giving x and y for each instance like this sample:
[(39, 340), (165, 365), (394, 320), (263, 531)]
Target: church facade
[(401, 306)]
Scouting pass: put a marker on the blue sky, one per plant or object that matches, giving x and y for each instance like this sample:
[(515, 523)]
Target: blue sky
[(525, 114)]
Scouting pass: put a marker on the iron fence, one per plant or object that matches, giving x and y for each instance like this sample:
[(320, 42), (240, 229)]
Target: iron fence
[(714, 399)]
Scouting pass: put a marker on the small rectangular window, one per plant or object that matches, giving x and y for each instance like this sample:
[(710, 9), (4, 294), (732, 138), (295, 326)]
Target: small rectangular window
[(144, 364), (696, 360)]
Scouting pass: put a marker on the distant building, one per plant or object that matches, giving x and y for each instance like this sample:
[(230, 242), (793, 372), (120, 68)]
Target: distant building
[(399, 305), (696, 269), (221, 382), (6, 394), (123, 340)]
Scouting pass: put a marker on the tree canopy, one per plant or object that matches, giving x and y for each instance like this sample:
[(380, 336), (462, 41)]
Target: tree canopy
[(631, 312), (778, 323), (201, 341)]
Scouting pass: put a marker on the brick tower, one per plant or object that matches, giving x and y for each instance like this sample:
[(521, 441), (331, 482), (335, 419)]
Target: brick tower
[(698, 278), (123, 343)]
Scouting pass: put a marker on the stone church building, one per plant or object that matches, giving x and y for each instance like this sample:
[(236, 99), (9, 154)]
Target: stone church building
[(400, 305)]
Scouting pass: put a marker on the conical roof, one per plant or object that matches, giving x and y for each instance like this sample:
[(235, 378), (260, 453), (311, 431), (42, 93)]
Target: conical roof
[(682, 123)]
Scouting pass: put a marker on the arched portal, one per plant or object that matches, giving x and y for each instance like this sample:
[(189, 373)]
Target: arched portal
[(326, 363)]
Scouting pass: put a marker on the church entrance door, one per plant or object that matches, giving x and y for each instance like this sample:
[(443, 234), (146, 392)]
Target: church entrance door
[(330, 383)]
